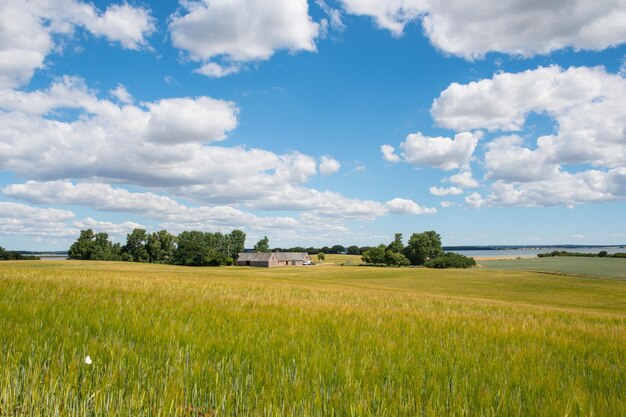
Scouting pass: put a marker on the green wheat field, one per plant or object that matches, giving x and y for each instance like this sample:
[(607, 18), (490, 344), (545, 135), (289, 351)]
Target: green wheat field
[(327, 340)]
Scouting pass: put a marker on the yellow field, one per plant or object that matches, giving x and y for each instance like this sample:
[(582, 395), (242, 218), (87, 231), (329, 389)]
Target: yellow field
[(314, 341)]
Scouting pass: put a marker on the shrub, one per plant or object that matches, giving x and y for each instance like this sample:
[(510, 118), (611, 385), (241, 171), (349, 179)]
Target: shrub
[(451, 260)]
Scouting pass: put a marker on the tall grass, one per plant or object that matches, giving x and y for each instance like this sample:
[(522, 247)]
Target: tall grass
[(332, 341)]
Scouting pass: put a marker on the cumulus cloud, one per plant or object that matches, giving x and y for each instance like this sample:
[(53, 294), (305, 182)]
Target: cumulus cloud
[(474, 201), (237, 31), (581, 162), (30, 30), (121, 93), (470, 29), (402, 206), (439, 152), (440, 191), (463, 179), (389, 153), (33, 221), (328, 165)]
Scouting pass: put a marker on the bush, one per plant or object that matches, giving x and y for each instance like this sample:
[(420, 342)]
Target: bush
[(451, 260)]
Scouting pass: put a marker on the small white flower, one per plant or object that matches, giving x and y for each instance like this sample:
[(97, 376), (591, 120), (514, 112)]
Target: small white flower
[(88, 360)]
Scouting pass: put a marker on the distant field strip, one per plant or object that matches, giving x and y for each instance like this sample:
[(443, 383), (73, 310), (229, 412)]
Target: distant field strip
[(315, 341), (598, 267)]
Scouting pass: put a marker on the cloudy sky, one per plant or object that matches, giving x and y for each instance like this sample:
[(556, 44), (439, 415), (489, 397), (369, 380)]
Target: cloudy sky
[(314, 123)]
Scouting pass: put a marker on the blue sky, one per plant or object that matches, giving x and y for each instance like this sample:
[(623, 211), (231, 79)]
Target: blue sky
[(314, 123)]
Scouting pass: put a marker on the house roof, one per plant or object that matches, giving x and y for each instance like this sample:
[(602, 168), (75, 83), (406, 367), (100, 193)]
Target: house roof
[(290, 256), (265, 256)]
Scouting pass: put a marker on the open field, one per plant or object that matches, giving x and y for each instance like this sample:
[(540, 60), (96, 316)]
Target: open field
[(339, 259), (598, 267), (314, 341)]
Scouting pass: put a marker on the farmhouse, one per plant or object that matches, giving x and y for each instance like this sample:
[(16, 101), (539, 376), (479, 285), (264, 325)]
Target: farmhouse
[(274, 259)]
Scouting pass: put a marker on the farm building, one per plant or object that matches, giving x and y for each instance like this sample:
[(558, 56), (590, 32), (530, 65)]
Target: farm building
[(274, 259)]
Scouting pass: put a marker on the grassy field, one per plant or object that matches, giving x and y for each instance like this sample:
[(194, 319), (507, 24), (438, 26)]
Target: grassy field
[(599, 267), (318, 341)]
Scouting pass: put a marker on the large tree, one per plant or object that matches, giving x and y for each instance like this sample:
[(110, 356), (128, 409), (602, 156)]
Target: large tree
[(161, 246), (237, 241), (396, 246), (423, 247), (262, 245), (375, 255), (94, 246), (135, 247)]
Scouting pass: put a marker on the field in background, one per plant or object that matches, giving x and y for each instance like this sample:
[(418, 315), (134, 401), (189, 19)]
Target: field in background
[(317, 341), (339, 259), (598, 267)]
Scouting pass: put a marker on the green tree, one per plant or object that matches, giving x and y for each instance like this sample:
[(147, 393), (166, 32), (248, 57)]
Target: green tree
[(423, 247), (337, 249), (161, 246), (395, 259), (83, 248), (262, 245), (375, 255), (136, 245), (192, 249), (237, 241), (451, 260), (353, 250), (396, 246), (321, 256)]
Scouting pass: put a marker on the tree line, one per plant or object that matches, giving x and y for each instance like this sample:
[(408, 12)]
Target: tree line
[(190, 248), (6, 255), (422, 249)]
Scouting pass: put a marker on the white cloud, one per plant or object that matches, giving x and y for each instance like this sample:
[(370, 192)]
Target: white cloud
[(463, 179), (113, 229), (389, 153), (474, 201), (440, 152), (213, 70), (440, 191), (470, 28), (333, 14), (328, 165), (402, 206), (121, 23), (238, 31), (122, 94), (183, 120), (583, 161), (30, 30), (32, 221), (446, 204)]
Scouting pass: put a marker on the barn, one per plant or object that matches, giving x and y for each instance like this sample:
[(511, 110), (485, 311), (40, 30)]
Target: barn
[(274, 259)]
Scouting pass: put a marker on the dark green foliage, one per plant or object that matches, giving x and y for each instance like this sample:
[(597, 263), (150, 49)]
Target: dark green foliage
[(6, 255), (262, 245), (337, 249), (396, 246), (237, 240), (353, 250), (94, 247), (375, 256), (160, 247), (450, 260), (321, 256), (189, 248), (136, 242), (395, 259), (601, 254), (423, 247), (200, 249)]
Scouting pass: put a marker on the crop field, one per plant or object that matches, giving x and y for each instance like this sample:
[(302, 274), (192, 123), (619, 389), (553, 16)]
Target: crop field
[(313, 341), (598, 267)]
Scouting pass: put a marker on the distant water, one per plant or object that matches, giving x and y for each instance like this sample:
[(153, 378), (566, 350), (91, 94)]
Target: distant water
[(51, 257), (530, 252)]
